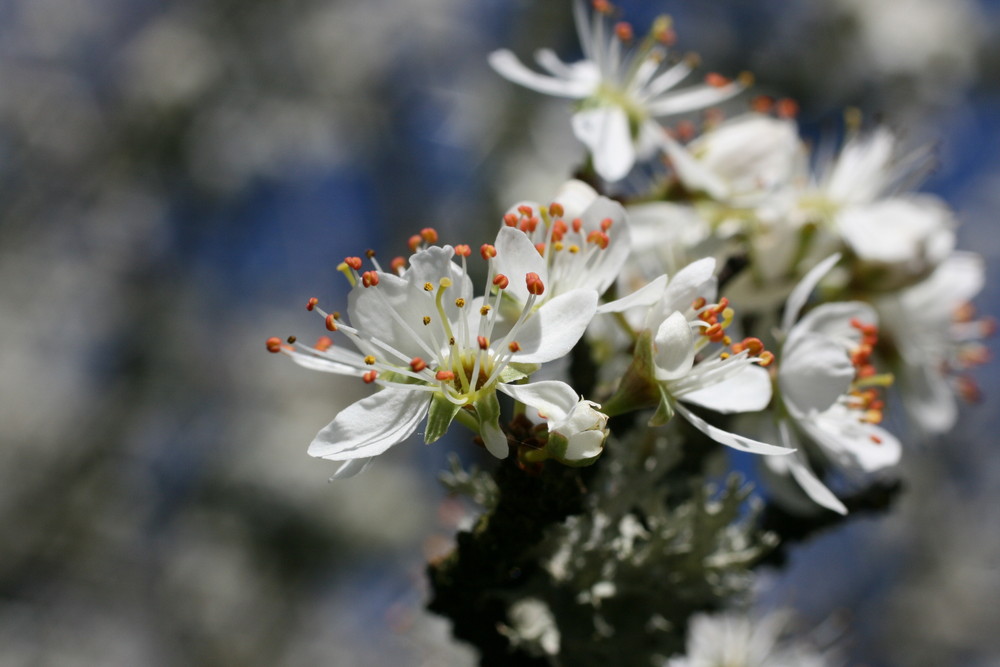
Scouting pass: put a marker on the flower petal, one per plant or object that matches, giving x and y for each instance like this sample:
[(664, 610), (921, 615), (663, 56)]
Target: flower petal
[(813, 374), (747, 391), (797, 299), (673, 348), (733, 440), (516, 257), (605, 132), (553, 329), (351, 468), (852, 444), (372, 425), (552, 398), (508, 66), (646, 296)]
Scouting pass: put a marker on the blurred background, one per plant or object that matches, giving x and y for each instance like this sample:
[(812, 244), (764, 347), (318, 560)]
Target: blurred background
[(178, 178)]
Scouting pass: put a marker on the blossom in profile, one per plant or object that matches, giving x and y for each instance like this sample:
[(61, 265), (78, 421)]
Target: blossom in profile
[(829, 392), (684, 355), (581, 240), (623, 84), (576, 427), (936, 336), (436, 351)]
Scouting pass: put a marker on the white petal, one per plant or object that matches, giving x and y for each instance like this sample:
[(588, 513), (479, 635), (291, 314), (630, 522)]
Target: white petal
[(494, 438), (694, 174), (553, 399), (899, 230), (694, 280), (928, 398), (372, 425), (833, 320), (813, 373), (508, 66), (605, 132), (729, 439), (861, 172), (851, 444), (351, 363), (575, 196), (646, 296), (690, 99), (351, 468), (516, 257), (553, 329), (797, 299), (674, 348), (608, 266), (747, 391), (814, 488)]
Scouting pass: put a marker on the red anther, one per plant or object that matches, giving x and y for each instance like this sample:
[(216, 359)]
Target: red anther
[(968, 389), (787, 108), (762, 104), (323, 343), (878, 404), (721, 306), (623, 31), (417, 364), (514, 346), (766, 358), (708, 315), (559, 229), (353, 262), (874, 438), (602, 6), (540, 247), (397, 265), (429, 235), (974, 355), (713, 330), (484, 344), (501, 281), (988, 327), (606, 224), (964, 313), (698, 303), (487, 251), (444, 376), (369, 376), (685, 130), (861, 355), (331, 322), (872, 416), (866, 371), (529, 225), (753, 345), (463, 250), (534, 283), (369, 278), (716, 80), (525, 210), (311, 303), (510, 220), (556, 210), (598, 238), (577, 225), (273, 344), (414, 242)]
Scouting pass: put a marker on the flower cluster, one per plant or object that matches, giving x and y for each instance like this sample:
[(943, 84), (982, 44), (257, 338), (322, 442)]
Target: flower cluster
[(753, 292)]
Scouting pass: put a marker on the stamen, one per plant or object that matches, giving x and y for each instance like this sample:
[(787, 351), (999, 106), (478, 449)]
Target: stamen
[(429, 235), (312, 303), (510, 220), (787, 108), (514, 346), (397, 265), (353, 262), (331, 322), (556, 210), (484, 344), (273, 344), (414, 242), (487, 251), (417, 364), (369, 376), (463, 250), (444, 376), (624, 32), (370, 360), (534, 283), (369, 278), (501, 281), (323, 343)]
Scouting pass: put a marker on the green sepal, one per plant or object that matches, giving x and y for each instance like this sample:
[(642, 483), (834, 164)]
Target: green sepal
[(664, 411), (439, 417), (639, 388)]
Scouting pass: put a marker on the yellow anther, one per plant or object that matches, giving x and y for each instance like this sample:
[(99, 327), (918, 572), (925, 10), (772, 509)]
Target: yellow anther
[(460, 302), (428, 287), (370, 360)]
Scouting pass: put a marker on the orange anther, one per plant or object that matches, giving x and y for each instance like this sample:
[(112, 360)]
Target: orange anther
[(598, 238), (312, 303), (417, 364), (483, 342), (606, 224), (369, 376), (369, 278), (525, 210), (487, 251), (510, 220), (331, 322), (540, 247), (698, 303), (353, 262), (501, 281), (716, 80), (577, 225), (444, 376), (602, 6), (874, 438), (556, 210), (323, 343), (514, 346), (429, 235), (534, 283), (414, 242), (623, 31), (762, 104), (685, 130), (766, 358), (273, 344), (787, 108), (463, 250), (397, 265)]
